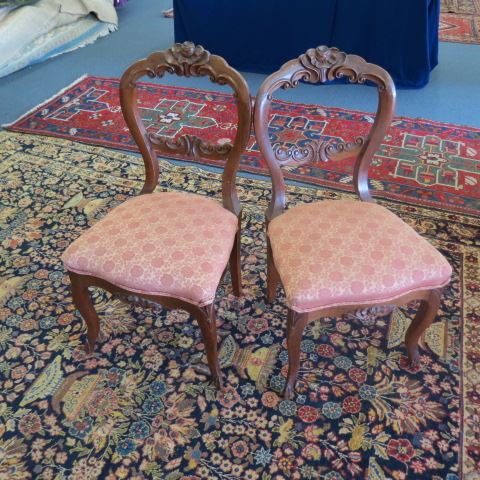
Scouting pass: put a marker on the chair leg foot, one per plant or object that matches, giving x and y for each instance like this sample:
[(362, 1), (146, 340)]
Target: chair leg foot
[(84, 304), (288, 393), (207, 322), (88, 347), (218, 382), (423, 319), (413, 357)]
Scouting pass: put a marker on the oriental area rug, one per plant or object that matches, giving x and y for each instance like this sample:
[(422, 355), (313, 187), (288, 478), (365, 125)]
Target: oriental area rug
[(142, 407), (421, 162), (460, 21)]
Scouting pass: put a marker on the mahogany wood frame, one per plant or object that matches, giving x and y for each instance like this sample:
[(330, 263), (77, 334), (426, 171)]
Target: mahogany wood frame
[(187, 60), (320, 65)]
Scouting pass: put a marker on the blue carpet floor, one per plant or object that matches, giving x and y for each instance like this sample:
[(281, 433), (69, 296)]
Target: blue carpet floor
[(453, 94)]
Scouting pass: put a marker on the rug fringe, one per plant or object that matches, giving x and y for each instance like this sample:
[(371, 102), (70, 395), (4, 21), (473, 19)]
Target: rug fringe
[(36, 107)]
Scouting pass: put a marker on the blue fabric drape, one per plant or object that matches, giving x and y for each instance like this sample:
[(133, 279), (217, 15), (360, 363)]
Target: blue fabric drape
[(260, 35)]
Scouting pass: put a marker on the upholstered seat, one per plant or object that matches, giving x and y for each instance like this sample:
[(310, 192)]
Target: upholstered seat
[(342, 252), (182, 253)]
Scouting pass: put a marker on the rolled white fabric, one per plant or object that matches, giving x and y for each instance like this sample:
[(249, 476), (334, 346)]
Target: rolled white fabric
[(4, 11), (25, 24), (103, 9)]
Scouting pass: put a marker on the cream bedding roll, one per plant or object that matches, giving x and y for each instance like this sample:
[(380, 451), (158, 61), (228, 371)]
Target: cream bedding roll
[(25, 24)]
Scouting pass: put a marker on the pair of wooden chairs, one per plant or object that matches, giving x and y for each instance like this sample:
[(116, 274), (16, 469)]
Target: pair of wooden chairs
[(332, 257)]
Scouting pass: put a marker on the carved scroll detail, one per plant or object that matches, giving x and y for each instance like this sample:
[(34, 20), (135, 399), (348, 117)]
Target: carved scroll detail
[(190, 146), (190, 60), (317, 150), (324, 64), (186, 60), (320, 65)]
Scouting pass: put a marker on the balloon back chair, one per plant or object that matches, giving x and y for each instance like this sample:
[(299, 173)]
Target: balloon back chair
[(337, 256), (169, 248)]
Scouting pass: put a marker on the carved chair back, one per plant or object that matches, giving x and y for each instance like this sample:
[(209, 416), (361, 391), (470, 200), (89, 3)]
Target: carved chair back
[(319, 65), (187, 60)]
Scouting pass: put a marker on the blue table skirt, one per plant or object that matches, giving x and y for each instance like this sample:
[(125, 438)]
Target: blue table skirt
[(261, 35)]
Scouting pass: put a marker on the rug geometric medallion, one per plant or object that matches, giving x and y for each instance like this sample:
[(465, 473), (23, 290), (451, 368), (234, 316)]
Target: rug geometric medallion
[(459, 28), (141, 406), (420, 161)]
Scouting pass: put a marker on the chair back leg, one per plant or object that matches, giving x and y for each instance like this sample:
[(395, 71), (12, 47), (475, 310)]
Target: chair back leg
[(273, 277), (235, 257)]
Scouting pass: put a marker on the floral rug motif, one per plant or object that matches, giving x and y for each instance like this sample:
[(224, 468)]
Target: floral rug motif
[(142, 407), (421, 162)]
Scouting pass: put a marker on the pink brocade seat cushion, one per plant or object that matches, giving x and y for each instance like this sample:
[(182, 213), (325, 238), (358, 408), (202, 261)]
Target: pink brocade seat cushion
[(172, 244), (342, 252)]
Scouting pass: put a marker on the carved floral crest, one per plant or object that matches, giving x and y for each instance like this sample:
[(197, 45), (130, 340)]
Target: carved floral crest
[(187, 53), (321, 59)]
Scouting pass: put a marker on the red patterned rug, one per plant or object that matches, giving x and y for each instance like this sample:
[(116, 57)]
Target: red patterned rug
[(460, 28), (460, 21), (421, 162)]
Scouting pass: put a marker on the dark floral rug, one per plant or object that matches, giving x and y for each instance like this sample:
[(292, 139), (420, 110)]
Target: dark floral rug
[(142, 407)]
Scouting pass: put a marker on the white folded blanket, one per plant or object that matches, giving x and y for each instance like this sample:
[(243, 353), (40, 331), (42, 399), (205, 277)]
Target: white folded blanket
[(57, 41), (103, 9), (4, 11), (23, 25)]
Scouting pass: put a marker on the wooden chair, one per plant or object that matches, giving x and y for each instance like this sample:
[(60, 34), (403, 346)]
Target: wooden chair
[(169, 248), (333, 257)]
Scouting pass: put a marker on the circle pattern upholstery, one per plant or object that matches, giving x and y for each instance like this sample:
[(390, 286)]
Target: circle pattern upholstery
[(342, 252), (169, 243)]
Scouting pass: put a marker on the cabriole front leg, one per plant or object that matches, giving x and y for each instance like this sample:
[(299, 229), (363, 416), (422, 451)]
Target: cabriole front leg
[(83, 302)]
